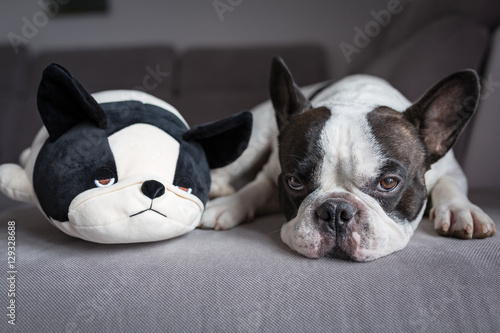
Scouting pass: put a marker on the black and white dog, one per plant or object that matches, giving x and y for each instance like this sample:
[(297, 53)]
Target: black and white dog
[(354, 163)]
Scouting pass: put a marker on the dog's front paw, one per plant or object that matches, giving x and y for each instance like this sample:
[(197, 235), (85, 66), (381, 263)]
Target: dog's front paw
[(220, 189), (462, 220), (220, 184), (225, 213)]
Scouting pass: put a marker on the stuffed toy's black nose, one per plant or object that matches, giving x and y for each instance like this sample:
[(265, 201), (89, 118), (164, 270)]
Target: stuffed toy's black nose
[(153, 189)]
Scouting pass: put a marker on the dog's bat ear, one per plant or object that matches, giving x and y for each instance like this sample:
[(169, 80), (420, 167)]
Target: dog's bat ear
[(63, 102), (225, 140), (285, 94), (442, 113)]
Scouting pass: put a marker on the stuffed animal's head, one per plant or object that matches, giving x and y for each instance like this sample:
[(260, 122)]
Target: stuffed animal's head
[(119, 166)]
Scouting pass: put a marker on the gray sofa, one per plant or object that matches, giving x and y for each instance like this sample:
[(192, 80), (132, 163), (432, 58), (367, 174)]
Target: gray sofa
[(246, 279)]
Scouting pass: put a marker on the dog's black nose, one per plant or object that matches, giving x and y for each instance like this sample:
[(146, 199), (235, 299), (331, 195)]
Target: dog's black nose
[(153, 189), (336, 213)]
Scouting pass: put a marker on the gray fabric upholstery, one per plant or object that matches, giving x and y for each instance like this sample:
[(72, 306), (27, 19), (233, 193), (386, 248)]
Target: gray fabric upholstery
[(247, 280), (205, 84), (214, 83), (12, 92), (418, 14), (481, 164), (114, 68), (97, 70), (439, 49)]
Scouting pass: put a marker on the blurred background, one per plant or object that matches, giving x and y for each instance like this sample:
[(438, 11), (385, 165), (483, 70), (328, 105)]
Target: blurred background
[(210, 58)]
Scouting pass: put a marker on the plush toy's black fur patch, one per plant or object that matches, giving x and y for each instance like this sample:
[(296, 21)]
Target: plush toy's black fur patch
[(60, 91), (65, 167)]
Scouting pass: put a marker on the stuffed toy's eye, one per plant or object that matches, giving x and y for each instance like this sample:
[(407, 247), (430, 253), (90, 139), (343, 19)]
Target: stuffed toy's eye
[(103, 177), (185, 189), (104, 182)]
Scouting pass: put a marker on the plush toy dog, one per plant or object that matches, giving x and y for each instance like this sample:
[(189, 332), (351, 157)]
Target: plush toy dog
[(119, 166)]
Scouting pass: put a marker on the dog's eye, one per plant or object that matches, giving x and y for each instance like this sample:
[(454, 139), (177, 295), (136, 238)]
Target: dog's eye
[(295, 183), (104, 182), (388, 184)]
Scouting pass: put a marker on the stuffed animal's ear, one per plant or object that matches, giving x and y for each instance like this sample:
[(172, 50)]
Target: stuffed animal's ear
[(63, 102), (223, 141), (441, 114), (14, 183)]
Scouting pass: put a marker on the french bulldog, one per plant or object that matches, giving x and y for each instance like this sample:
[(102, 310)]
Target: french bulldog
[(354, 163)]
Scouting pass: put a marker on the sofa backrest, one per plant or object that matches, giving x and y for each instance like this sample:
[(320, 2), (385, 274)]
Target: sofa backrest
[(482, 161), (440, 48), (204, 84), (213, 83), (147, 68), (12, 91)]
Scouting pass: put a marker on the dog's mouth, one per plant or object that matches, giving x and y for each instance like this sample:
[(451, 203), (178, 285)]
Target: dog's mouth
[(338, 252)]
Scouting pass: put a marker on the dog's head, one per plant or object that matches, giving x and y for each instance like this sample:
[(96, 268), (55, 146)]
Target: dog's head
[(353, 160), (120, 166)]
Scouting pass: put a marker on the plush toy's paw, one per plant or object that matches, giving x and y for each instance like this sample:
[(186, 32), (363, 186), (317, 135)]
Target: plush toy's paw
[(462, 220), (225, 213), (15, 183)]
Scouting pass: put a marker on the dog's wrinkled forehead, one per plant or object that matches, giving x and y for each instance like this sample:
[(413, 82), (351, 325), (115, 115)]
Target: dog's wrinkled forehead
[(331, 147), (352, 140), (342, 147), (396, 138), (351, 153)]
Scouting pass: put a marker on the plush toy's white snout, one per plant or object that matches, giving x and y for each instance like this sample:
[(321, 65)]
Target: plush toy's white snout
[(137, 209)]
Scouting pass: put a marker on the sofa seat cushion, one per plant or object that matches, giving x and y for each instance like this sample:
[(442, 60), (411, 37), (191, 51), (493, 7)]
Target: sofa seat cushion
[(247, 280)]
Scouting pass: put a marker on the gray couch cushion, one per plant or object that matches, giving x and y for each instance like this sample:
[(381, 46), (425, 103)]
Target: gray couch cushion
[(417, 14), (247, 280), (483, 160), (12, 90), (214, 83), (97, 70), (115, 68), (11, 65), (444, 46)]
